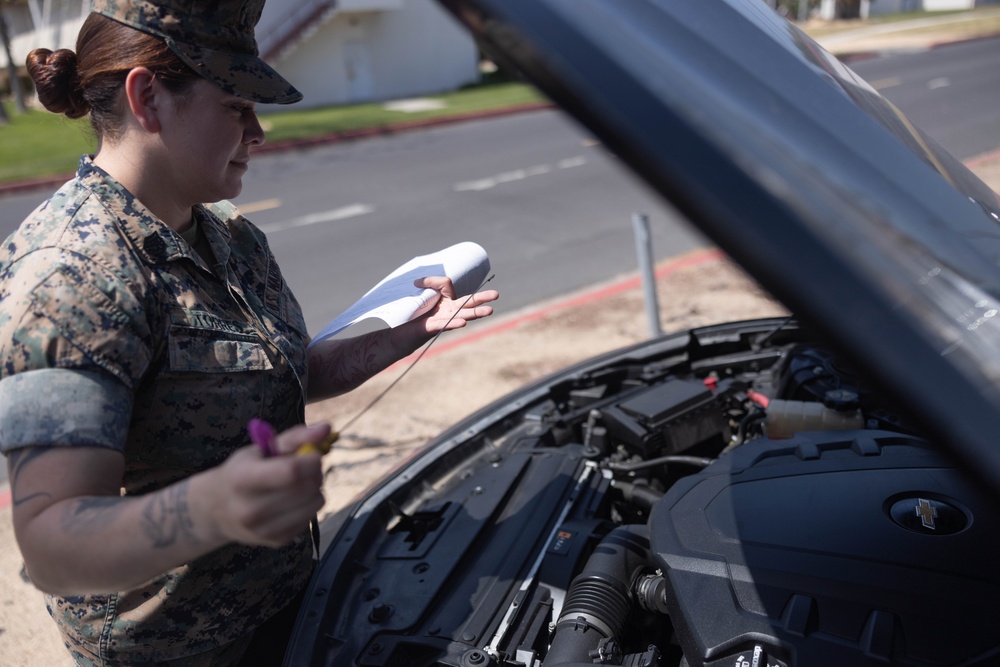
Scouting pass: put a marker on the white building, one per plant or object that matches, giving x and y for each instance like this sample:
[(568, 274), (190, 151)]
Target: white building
[(828, 8), (334, 51)]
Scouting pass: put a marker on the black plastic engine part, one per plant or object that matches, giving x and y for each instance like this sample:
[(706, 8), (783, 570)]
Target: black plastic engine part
[(854, 548), (600, 599), (666, 418)]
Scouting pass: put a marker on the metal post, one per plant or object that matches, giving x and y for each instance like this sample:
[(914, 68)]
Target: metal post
[(644, 251)]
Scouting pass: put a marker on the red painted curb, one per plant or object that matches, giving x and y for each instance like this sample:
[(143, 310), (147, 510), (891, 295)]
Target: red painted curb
[(34, 184), (982, 158)]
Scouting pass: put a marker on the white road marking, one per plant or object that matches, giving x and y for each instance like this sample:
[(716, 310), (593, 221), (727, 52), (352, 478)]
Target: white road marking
[(351, 211), (517, 175), (940, 82), (882, 84), (414, 105), (569, 163), (255, 206)]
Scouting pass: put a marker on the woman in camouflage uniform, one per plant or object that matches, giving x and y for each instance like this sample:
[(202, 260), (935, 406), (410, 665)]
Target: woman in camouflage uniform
[(140, 330)]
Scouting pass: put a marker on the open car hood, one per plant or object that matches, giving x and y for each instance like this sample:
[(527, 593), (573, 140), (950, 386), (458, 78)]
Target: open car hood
[(819, 187), (775, 493)]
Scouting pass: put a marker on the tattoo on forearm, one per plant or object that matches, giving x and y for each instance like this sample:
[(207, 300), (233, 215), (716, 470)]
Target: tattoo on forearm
[(353, 363), (16, 462), (167, 516), (88, 514)]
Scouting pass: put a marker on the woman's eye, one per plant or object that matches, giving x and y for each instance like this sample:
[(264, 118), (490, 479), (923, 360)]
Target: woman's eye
[(241, 108)]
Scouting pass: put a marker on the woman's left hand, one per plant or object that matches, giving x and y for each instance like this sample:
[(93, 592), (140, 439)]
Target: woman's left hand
[(337, 366), (451, 312)]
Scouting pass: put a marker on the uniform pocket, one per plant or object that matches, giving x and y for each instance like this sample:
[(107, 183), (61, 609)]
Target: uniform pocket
[(193, 413), (204, 351)]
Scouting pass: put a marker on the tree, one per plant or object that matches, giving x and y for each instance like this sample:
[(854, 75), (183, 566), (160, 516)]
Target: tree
[(12, 78), (794, 9), (848, 9), (800, 10)]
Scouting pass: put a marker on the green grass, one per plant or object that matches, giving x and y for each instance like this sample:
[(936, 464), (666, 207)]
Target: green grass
[(821, 28), (39, 144), (908, 16)]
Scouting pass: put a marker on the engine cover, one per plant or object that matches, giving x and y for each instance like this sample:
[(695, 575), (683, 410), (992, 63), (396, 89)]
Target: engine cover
[(848, 548)]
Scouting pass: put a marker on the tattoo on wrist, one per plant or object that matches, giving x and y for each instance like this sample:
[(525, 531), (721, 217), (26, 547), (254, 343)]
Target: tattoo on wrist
[(167, 517)]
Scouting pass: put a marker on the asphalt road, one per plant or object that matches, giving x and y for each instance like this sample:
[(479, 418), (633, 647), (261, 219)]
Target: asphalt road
[(951, 92), (552, 209)]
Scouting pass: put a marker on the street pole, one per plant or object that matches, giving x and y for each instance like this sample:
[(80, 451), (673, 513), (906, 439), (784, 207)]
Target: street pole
[(644, 252)]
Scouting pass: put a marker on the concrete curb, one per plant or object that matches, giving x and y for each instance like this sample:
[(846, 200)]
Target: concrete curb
[(849, 57), (983, 158), (30, 185)]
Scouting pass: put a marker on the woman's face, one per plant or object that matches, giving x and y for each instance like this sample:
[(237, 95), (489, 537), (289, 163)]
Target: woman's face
[(207, 134)]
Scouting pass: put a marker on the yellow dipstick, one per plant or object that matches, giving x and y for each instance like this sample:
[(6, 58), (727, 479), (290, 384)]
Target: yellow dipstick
[(322, 447), (262, 434)]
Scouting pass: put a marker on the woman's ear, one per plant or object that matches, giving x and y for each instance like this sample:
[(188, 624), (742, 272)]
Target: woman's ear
[(142, 97)]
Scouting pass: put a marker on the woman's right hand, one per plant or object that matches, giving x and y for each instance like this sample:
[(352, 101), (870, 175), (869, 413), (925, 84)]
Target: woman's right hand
[(267, 501)]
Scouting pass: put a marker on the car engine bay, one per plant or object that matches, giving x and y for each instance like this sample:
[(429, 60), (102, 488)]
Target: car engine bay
[(737, 495)]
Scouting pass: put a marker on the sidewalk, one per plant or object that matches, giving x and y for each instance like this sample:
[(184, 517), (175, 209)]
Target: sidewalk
[(468, 369)]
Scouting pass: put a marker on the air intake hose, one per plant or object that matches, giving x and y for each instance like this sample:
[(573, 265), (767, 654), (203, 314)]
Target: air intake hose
[(599, 600)]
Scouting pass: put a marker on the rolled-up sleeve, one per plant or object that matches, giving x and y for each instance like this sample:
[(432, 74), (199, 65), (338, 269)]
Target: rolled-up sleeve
[(61, 407)]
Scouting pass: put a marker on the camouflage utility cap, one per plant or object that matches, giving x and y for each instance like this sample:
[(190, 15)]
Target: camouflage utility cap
[(215, 39)]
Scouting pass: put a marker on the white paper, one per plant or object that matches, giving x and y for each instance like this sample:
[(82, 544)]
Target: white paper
[(395, 300)]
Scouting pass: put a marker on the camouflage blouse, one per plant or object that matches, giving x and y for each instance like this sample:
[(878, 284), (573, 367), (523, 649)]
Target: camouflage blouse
[(115, 333)]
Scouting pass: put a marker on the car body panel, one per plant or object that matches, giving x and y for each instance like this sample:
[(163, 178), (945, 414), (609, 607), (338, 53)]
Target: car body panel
[(800, 171)]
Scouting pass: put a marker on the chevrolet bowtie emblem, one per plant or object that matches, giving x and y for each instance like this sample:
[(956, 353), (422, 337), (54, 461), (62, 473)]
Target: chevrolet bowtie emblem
[(927, 513)]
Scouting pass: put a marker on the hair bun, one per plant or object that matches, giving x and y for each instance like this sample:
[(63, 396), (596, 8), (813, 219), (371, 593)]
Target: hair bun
[(56, 82)]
